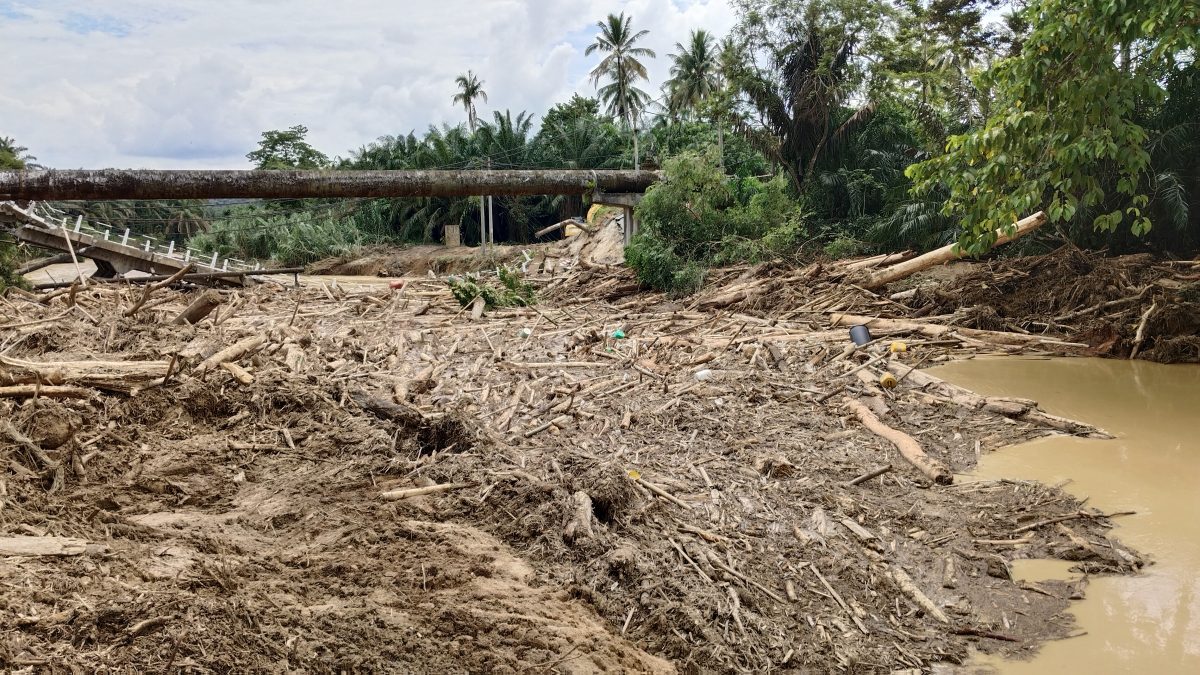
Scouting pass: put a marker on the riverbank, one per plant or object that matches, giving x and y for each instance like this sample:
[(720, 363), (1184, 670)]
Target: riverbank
[(366, 478)]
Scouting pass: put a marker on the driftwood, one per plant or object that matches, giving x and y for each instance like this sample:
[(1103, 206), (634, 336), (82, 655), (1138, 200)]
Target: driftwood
[(1015, 408), (149, 289), (946, 254), (232, 353), (45, 391), (937, 329), (406, 493), (99, 373), (42, 546), (910, 588), (907, 445), (201, 307)]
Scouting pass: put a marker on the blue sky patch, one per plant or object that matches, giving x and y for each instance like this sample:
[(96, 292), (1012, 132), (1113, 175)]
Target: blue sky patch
[(84, 24)]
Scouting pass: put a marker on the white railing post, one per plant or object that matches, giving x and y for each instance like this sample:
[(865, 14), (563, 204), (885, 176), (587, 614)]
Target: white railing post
[(187, 255), (125, 239), (147, 247), (107, 233), (78, 224), (213, 265), (225, 265), (171, 248)]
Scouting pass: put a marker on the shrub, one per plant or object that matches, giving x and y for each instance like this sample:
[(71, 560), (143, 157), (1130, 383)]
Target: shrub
[(511, 291), (8, 268), (697, 217)]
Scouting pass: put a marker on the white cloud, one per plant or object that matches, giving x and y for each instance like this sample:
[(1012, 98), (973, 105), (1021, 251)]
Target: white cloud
[(192, 83)]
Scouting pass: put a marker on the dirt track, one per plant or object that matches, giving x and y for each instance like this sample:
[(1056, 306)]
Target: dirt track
[(608, 510)]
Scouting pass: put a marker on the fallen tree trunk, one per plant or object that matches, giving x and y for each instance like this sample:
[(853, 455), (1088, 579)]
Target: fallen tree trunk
[(93, 372), (907, 445), (1014, 408), (937, 329), (946, 254), (201, 307)]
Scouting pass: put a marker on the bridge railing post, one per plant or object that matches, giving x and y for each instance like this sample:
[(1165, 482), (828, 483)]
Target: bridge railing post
[(125, 239)]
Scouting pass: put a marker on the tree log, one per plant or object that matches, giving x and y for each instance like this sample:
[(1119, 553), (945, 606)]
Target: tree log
[(946, 254), (937, 329), (907, 445), (232, 352), (1015, 408), (201, 307), (145, 184)]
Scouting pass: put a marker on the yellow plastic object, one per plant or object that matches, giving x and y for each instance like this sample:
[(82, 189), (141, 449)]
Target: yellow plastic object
[(888, 381), (593, 212), (897, 347)]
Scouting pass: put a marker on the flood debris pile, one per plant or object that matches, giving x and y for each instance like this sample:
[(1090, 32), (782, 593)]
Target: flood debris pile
[(366, 478)]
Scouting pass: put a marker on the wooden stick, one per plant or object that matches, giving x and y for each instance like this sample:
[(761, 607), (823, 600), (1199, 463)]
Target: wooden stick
[(553, 364), (871, 474), (946, 254), (1141, 330), (239, 373), (662, 493), (406, 493), (907, 445), (71, 250), (147, 290)]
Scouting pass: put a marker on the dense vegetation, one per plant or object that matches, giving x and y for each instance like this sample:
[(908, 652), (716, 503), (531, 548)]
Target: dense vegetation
[(841, 126)]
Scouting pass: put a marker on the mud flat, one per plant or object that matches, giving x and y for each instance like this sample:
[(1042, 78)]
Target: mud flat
[(355, 477)]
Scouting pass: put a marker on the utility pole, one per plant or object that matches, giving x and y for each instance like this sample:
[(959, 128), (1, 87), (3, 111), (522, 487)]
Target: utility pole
[(491, 224), (482, 227)]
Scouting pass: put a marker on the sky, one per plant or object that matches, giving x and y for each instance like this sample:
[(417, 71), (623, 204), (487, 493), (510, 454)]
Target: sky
[(193, 83)]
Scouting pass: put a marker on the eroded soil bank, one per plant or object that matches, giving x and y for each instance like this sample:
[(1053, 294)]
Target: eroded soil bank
[(678, 498)]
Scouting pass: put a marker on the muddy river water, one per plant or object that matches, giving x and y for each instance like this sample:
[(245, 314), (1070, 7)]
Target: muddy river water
[(1145, 624)]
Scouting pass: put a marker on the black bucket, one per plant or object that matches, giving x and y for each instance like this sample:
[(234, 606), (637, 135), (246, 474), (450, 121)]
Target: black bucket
[(860, 335)]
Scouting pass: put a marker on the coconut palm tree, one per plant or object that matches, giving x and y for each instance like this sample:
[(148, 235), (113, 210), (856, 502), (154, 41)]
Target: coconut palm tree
[(694, 73), (469, 89), (621, 65)]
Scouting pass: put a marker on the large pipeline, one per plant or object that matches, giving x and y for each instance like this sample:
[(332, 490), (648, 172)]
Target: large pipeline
[(114, 184)]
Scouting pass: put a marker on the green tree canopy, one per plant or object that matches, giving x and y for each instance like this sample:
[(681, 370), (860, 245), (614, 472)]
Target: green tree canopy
[(1064, 132), (287, 149)]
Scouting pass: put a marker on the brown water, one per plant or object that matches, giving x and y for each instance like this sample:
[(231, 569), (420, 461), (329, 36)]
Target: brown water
[(1145, 624)]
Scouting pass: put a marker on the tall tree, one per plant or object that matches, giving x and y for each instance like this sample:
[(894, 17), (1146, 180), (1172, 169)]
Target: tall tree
[(694, 73), (797, 69), (623, 67), (287, 149), (470, 88)]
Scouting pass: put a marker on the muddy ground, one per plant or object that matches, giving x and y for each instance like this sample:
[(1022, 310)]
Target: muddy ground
[(672, 497)]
